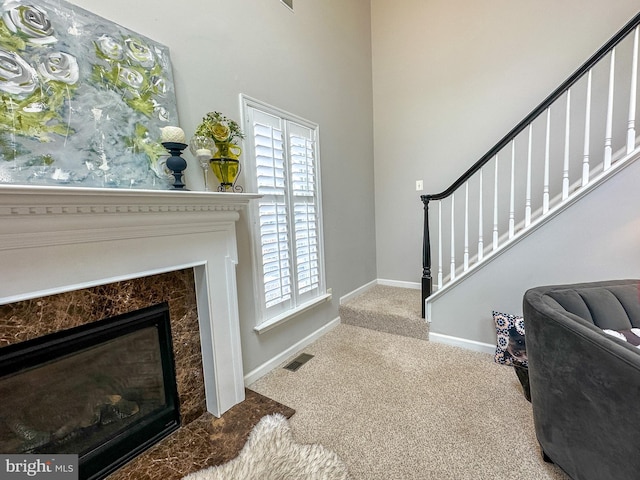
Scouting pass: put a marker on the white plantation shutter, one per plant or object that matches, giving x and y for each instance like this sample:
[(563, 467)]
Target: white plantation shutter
[(287, 217), (301, 148), (275, 253)]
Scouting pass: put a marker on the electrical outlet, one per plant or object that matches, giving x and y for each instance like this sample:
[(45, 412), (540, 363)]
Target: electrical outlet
[(419, 186)]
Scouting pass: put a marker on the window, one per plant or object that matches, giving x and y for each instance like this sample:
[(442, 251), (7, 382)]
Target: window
[(283, 166)]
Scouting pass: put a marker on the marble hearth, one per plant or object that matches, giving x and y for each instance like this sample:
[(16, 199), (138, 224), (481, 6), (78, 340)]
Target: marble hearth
[(84, 254)]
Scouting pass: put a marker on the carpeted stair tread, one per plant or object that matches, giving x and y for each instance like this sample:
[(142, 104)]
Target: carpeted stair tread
[(387, 309)]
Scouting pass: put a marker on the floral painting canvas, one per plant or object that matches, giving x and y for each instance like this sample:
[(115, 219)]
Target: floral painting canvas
[(82, 99)]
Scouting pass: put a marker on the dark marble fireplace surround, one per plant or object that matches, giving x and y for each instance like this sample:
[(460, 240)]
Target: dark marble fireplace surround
[(62, 242), (33, 318)]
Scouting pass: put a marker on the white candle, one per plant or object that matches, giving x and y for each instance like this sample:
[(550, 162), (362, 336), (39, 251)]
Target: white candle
[(203, 153), (172, 134)]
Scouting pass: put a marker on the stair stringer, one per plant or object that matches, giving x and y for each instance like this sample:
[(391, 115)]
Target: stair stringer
[(593, 235)]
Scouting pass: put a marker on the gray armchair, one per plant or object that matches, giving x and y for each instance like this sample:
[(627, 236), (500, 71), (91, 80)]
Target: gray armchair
[(585, 384)]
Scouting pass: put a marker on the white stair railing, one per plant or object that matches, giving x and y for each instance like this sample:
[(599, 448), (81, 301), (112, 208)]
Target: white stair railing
[(584, 129)]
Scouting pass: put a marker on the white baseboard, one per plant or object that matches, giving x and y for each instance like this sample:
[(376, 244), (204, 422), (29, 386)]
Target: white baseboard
[(462, 342), (400, 284), (358, 291), (279, 359)]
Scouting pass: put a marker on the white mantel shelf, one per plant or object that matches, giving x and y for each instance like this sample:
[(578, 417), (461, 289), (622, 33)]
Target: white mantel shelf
[(33, 216), (59, 239), (14, 197)]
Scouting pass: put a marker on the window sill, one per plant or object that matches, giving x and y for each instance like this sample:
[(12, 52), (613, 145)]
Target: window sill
[(274, 322)]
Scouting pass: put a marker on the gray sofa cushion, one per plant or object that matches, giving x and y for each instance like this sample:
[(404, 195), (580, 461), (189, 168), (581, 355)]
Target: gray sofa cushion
[(612, 306)]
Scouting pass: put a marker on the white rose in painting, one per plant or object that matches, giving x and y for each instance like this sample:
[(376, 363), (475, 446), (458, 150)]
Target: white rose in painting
[(17, 77), (29, 21), (61, 67), (160, 85), (139, 53), (35, 107), (130, 77), (161, 112), (110, 47)]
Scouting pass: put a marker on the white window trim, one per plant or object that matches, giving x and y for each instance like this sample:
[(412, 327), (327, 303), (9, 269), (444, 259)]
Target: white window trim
[(263, 325), (290, 314)]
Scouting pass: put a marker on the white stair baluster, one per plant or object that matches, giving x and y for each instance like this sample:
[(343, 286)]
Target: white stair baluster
[(512, 194), (631, 130), (466, 227), (545, 188), (608, 140), (495, 208), (527, 202), (480, 221), (587, 133), (567, 135), (453, 236), (439, 244)]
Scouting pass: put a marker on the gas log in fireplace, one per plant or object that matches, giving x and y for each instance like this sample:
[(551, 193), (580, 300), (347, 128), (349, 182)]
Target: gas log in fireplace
[(105, 391)]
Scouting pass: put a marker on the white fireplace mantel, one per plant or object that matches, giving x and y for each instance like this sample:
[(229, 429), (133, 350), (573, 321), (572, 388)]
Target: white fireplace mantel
[(58, 239)]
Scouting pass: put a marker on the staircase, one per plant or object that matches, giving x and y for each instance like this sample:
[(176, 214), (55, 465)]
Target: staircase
[(387, 309), (583, 133), (547, 204)]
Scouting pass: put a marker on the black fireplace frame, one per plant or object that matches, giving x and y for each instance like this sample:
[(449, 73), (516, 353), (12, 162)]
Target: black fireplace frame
[(102, 460)]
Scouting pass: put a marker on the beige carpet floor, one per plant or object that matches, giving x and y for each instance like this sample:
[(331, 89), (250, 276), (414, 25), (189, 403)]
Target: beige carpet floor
[(394, 407)]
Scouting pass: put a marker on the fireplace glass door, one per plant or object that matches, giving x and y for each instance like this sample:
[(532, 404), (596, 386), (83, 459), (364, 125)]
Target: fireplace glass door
[(105, 391)]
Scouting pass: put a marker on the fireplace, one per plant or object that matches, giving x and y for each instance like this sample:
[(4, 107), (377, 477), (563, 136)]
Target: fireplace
[(62, 239), (105, 391), (150, 245)]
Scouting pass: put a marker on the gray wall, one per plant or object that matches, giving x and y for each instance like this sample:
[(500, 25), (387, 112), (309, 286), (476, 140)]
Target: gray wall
[(450, 80), (315, 63)]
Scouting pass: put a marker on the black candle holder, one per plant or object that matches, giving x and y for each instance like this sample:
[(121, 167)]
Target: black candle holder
[(176, 163)]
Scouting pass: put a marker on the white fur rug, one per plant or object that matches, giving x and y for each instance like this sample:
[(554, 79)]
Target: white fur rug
[(271, 454)]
